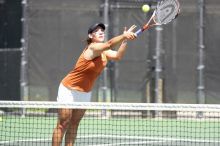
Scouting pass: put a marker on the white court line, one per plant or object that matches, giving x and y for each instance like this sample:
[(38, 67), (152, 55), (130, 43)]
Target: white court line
[(159, 139), (154, 138), (116, 144)]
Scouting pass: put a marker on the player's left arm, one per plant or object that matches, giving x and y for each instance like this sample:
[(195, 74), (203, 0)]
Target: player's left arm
[(116, 55)]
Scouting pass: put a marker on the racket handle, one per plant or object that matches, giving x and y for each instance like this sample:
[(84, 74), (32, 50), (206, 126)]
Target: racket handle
[(138, 32), (141, 30)]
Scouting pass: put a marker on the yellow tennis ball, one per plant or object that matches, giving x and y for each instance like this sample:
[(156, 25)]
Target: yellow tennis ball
[(145, 8)]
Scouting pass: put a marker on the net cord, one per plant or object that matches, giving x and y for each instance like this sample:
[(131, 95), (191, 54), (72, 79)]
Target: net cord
[(113, 106)]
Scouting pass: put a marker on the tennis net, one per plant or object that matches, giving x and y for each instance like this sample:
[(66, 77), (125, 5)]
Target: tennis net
[(112, 124)]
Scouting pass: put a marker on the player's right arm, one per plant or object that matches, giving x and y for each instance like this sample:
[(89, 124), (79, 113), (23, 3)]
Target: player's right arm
[(117, 55), (100, 47)]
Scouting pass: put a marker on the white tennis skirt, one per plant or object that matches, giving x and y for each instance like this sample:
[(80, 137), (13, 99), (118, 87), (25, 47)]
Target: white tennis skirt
[(68, 95)]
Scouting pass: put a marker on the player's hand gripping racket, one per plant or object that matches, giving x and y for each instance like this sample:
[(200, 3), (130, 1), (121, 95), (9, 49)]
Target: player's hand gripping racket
[(165, 12)]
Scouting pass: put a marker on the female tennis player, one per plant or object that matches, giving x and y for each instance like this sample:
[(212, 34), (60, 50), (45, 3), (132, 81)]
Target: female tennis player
[(77, 85)]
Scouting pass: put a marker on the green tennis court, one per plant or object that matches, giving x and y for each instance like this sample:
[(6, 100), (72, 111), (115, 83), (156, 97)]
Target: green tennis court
[(37, 130)]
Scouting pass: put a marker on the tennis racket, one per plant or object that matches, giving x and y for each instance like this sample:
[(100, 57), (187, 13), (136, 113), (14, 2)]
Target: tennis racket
[(165, 12)]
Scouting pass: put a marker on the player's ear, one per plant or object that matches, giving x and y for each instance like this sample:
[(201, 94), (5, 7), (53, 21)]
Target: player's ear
[(90, 36)]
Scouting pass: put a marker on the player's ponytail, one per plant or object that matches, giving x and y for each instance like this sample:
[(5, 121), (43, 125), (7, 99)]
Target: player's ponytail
[(89, 40)]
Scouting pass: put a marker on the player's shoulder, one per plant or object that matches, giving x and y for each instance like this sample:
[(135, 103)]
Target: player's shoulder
[(94, 44)]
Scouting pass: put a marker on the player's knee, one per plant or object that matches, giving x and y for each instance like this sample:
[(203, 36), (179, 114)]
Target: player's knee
[(61, 127), (64, 124)]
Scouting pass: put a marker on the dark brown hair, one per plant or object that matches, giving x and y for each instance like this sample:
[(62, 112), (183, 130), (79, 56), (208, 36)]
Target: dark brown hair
[(88, 40)]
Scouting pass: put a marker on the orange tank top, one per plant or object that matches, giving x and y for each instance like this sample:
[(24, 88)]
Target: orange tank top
[(85, 72)]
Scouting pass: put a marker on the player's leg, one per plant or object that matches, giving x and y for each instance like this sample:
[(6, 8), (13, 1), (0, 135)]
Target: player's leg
[(63, 122), (77, 115), (64, 115), (71, 132)]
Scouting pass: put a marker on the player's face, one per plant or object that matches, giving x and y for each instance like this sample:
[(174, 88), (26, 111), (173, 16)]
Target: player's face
[(98, 35)]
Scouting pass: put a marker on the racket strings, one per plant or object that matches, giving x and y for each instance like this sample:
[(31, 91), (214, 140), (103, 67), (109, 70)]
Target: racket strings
[(166, 11)]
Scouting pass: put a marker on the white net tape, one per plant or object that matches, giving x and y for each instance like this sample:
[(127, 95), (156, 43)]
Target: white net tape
[(115, 106)]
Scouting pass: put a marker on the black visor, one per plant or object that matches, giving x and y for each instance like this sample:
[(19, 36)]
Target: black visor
[(95, 26)]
